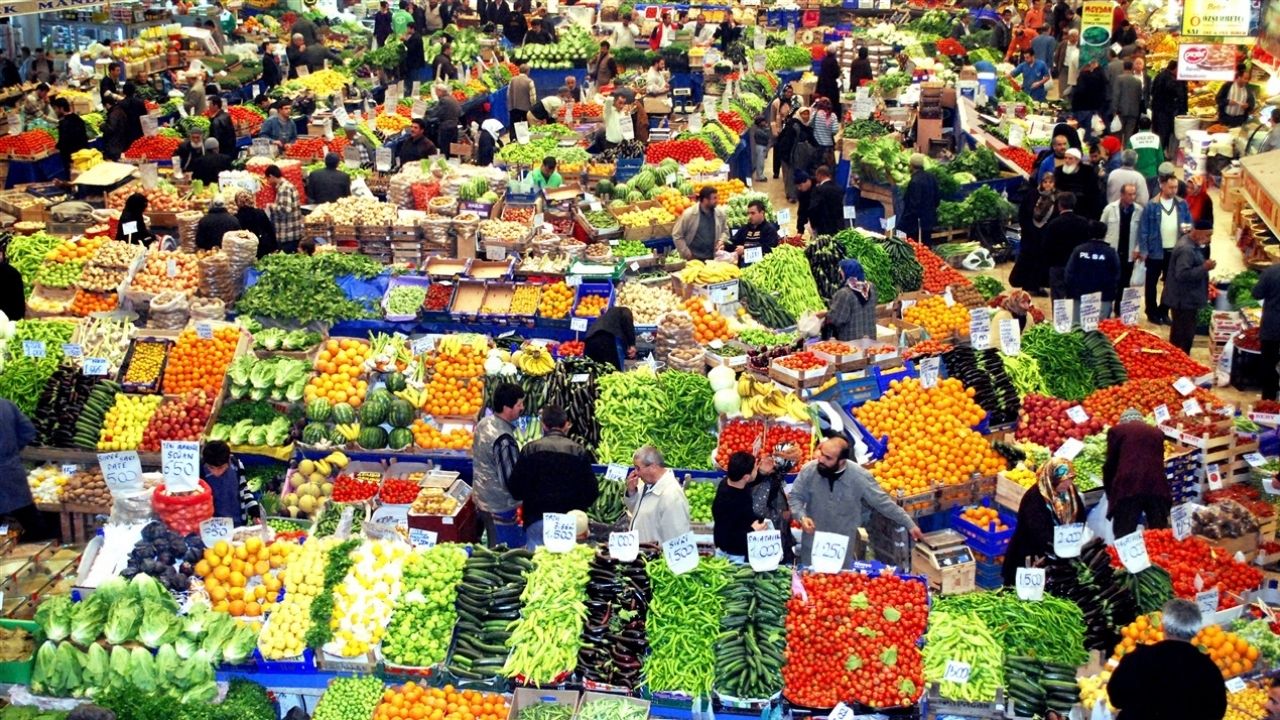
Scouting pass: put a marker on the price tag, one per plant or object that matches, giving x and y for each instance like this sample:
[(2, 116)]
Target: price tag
[(1162, 414), (150, 125), (522, 132), (340, 116), (828, 552), (784, 216), (1090, 311), (95, 367), (129, 228), (980, 328), (578, 324), (382, 159), (204, 331), (580, 378), (764, 550), (1016, 135), (419, 109), (1184, 386), (494, 252), (616, 472), (1255, 459), (70, 469), (1010, 337), (1029, 583), (1067, 540), (695, 123), (1180, 519), (72, 350), (1062, 310), (1236, 685), (121, 470), (1208, 601), (1132, 549), (421, 345), (1069, 449), (1129, 304), (14, 122), (956, 672), (1078, 414), (948, 297), (559, 532), (419, 537), (1191, 406), (628, 129), (624, 546), (752, 255), (1271, 419), (33, 348), (171, 267), (215, 529), (180, 464), (1213, 475), (681, 553), (929, 371)]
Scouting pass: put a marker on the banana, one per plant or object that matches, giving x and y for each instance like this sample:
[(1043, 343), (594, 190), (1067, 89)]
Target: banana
[(337, 459), (323, 467)]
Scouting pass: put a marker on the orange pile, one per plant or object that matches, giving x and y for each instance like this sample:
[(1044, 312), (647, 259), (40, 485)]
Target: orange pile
[(195, 363), (930, 436), (228, 571), (412, 701), (75, 250), (86, 302), (934, 315), (1231, 653), (708, 325), (1146, 630), (673, 202), (340, 373), (984, 517), (556, 302), (724, 188), (457, 384), (591, 306), (429, 437)]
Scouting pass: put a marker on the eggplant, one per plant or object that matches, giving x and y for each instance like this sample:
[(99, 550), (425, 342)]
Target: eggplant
[(153, 530)]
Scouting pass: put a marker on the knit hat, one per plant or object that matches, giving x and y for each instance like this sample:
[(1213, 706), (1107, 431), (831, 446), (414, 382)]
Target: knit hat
[(1204, 223), (1132, 415), (1166, 169), (1111, 144), (917, 160)]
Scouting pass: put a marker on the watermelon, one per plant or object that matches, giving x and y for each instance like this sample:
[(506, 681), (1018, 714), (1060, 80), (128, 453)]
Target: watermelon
[(604, 188), (374, 411), (644, 181), (337, 438), (635, 196), (620, 192), (383, 396), (668, 166), (685, 187), (617, 203), (319, 410), (344, 414), (395, 381), (653, 192), (372, 437), (315, 433), (401, 413), (400, 438)]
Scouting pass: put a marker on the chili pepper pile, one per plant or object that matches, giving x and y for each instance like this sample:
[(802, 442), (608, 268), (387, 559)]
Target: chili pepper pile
[(1147, 356), (1051, 630), (963, 638), (683, 626), (544, 644), (673, 410), (1058, 355), (1191, 557)]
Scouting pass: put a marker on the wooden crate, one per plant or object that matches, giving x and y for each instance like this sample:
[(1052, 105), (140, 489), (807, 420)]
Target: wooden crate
[(1008, 493), (798, 378), (1219, 445)]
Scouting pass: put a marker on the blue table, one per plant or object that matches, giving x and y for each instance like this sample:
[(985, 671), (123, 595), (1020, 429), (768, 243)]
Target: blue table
[(691, 80), (548, 82), (498, 105), (23, 173)]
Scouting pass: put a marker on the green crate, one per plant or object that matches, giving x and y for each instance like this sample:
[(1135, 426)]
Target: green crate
[(18, 672)]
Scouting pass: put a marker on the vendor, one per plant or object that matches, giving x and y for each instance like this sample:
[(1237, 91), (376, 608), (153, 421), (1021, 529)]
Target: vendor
[(225, 476), (920, 202), (446, 114), (702, 228), (417, 145), (545, 110), (732, 509), (191, 148), (209, 165), (280, 128), (655, 502), (1054, 501), (16, 432), (546, 175), (135, 209), (109, 86), (655, 79), (1236, 101), (36, 106), (612, 336), (285, 211), (13, 298), (1133, 476), (328, 184), (73, 136), (361, 143), (443, 69), (757, 233), (852, 315)]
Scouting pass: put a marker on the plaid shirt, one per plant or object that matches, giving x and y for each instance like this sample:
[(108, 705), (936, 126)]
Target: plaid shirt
[(286, 213)]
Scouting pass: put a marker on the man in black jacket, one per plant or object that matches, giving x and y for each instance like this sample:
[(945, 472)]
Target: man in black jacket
[(920, 203), (1093, 267), (212, 227), (553, 474), (1198, 694), (207, 166), (414, 59), (826, 207), (1089, 96), (447, 113), (1061, 236), (72, 134), (328, 184), (222, 129), (757, 233)]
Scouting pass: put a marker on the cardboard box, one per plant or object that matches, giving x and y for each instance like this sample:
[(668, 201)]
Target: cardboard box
[(527, 697)]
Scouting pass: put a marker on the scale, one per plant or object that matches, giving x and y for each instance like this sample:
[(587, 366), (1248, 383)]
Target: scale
[(944, 558)]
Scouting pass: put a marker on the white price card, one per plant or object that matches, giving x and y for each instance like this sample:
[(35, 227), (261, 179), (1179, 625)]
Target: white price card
[(624, 546), (559, 532), (70, 469), (828, 552), (150, 125), (418, 537), (1207, 600), (628, 129), (382, 159), (752, 255), (1029, 583), (681, 553), (850, 212), (1191, 406), (180, 464), (72, 350), (929, 371), (579, 378), (421, 345), (129, 228), (96, 367), (956, 672), (578, 324), (33, 348), (1236, 685), (1077, 414), (574, 280), (1184, 386), (1213, 475), (1010, 337), (1069, 449), (1062, 310), (495, 252), (1180, 520), (171, 268), (122, 470), (980, 328), (522, 132), (1090, 311), (1129, 304), (948, 297), (841, 712), (616, 471), (1016, 135), (1255, 459), (215, 529), (764, 549), (1162, 414), (419, 109), (1067, 540), (1132, 549), (784, 216), (204, 331)]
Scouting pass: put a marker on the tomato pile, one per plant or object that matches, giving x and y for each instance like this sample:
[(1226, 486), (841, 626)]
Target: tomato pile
[(156, 147), (438, 297), (1044, 421), (306, 148), (398, 492), (30, 143), (583, 110), (852, 638), (802, 361), (1186, 559), (1251, 499), (937, 273), (1025, 159), (241, 115), (784, 436), (732, 121), (348, 489), (1108, 404), (1147, 356), (682, 150), (832, 347), (571, 348), (738, 435)]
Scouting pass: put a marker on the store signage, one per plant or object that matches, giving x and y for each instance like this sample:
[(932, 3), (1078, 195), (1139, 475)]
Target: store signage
[(1191, 406), (1067, 540), (1206, 62), (624, 546), (1029, 584), (764, 550), (1069, 449), (1095, 30), (1215, 18), (31, 7), (1255, 459), (1132, 549), (122, 471), (1077, 414), (828, 552)]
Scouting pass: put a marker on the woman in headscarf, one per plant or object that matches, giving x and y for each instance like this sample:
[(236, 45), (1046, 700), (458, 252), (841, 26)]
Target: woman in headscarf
[(611, 336), (1198, 200), (1030, 271), (1018, 303), (797, 133), (135, 208), (489, 142), (1064, 137), (1053, 502), (852, 314), (256, 221)]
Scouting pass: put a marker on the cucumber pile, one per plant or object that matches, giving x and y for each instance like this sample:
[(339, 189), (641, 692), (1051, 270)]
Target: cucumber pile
[(1036, 687), (488, 606), (1100, 356), (908, 274), (749, 651), (94, 411)]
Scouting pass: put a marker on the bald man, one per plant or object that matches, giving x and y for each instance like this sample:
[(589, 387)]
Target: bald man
[(829, 494)]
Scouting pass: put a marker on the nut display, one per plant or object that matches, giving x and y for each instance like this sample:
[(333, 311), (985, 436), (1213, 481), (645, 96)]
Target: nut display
[(116, 254), (97, 278), (87, 487), (434, 501), (503, 231)]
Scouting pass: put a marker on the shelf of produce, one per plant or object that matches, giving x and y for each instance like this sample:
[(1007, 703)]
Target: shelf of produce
[(1261, 173)]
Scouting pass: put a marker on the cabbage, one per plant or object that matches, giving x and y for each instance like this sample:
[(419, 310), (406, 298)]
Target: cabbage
[(122, 623), (167, 663), (726, 400)]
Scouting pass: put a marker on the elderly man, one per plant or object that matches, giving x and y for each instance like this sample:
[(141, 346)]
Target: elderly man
[(829, 494), (1186, 285), (1133, 475), (1127, 100), (361, 143), (655, 501), (1127, 174), (1198, 694), (494, 456), (1122, 219), (447, 113), (702, 229)]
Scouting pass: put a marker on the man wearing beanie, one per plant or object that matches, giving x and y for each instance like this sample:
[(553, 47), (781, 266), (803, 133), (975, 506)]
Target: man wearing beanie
[(1186, 285), (328, 184), (1133, 475)]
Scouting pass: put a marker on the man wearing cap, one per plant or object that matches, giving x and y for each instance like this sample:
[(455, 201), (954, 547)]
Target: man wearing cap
[(1133, 475), (1081, 179), (1162, 221), (920, 203), (328, 184), (1186, 286), (215, 224)]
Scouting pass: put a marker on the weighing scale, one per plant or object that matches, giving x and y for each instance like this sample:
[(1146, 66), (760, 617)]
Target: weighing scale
[(944, 558)]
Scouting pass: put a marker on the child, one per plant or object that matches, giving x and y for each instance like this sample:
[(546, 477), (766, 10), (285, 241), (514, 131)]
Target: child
[(225, 477), (760, 146)]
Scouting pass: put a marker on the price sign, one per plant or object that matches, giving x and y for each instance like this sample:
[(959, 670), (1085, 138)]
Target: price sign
[(72, 350), (419, 109), (624, 546), (69, 469), (980, 328), (1069, 449), (784, 216), (1016, 135), (828, 552), (681, 553), (1010, 337), (957, 672), (1162, 414), (862, 108), (1191, 406), (947, 297), (33, 348), (215, 529), (764, 550), (171, 267), (522, 132), (628, 129), (559, 532), (752, 255), (1077, 414), (695, 123), (1132, 549), (340, 116), (1270, 419), (129, 228), (382, 159), (419, 537), (1180, 519), (1029, 583), (180, 463), (1067, 540), (1090, 311), (1255, 459), (929, 371), (1184, 386), (709, 106), (1235, 685), (14, 122), (574, 280), (204, 331), (95, 367), (122, 471), (150, 125), (1062, 310), (616, 472), (1208, 601), (580, 378), (578, 324), (422, 344), (1214, 476), (1129, 304)]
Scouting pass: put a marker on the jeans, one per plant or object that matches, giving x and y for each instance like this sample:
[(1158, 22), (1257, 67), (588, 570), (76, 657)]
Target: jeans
[(1156, 269), (1182, 329), (758, 164), (735, 559), (1270, 378)]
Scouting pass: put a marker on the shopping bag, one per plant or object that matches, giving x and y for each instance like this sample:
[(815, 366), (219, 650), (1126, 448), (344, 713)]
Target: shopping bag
[(1139, 276), (1116, 125), (1099, 127)]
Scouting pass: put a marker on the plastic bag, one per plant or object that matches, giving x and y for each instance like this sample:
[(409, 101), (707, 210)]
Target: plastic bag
[(1139, 276), (131, 507), (1098, 522), (809, 325), (1099, 127), (184, 513), (1116, 125)]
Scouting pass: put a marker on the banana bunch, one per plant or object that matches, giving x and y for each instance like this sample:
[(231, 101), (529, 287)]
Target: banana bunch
[(453, 344), (1094, 688), (534, 359), (334, 460), (348, 431), (762, 397), (697, 272), (416, 397)]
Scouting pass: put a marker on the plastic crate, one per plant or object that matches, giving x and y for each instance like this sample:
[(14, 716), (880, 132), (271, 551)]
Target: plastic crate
[(877, 448), (416, 280), (989, 576), (306, 662), (18, 672), (985, 540), (627, 168), (603, 289), (883, 378)]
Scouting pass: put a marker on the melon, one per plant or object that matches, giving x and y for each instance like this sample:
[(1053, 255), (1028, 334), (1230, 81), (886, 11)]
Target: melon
[(372, 438), (400, 438), (344, 414)]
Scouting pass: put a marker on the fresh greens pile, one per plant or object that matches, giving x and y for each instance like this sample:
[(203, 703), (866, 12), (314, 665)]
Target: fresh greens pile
[(981, 163), (304, 288), (889, 82), (988, 286), (875, 262), (1240, 292), (882, 159), (866, 129), (1058, 356), (277, 378), (981, 205), (286, 340), (26, 254)]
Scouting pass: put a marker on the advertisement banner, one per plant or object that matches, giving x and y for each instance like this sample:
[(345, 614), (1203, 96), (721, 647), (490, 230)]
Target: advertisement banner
[(1216, 18), (1201, 62), (31, 7), (1095, 30)]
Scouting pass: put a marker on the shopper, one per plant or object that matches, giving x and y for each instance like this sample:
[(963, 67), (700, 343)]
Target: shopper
[(1236, 100), (208, 165), (13, 300), (490, 140), (612, 337), (222, 129), (135, 209), (1127, 100), (1267, 290), (1031, 271), (1080, 179), (1199, 204), (232, 498), (329, 183), (256, 221), (417, 146), (1089, 96), (1165, 171), (1093, 267), (860, 71), (216, 223), (1133, 476), (1066, 63), (521, 95), (494, 455), (552, 475), (1061, 236), (1127, 174), (1140, 687), (733, 510), (280, 128), (1162, 221), (1054, 501), (852, 315), (446, 113), (780, 110), (1168, 101), (920, 203), (285, 211), (1064, 138), (1122, 219), (803, 184), (1186, 287), (443, 68), (759, 137), (702, 229), (795, 143), (382, 24), (413, 67), (655, 501), (17, 432), (826, 205), (757, 233), (829, 494), (133, 109), (73, 136)]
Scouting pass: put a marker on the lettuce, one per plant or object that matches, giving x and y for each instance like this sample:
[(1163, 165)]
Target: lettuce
[(167, 663), (87, 624), (240, 645), (97, 668), (119, 667), (240, 369), (148, 588), (202, 693), (218, 633), (67, 670), (54, 617), (159, 625), (193, 626), (122, 623), (142, 670), (263, 375), (43, 672)]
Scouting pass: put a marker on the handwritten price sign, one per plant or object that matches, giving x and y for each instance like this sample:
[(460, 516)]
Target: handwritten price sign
[(1132, 549), (828, 553), (1067, 540), (180, 463), (624, 546), (681, 553), (764, 550), (559, 532), (1029, 584), (122, 471)]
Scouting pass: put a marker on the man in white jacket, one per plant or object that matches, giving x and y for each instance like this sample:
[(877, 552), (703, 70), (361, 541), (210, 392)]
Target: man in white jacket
[(655, 501), (1122, 218)]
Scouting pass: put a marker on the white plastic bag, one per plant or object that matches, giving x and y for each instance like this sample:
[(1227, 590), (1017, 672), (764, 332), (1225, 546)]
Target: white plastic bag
[(1099, 127), (1116, 125), (809, 325), (1098, 522), (1139, 276)]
